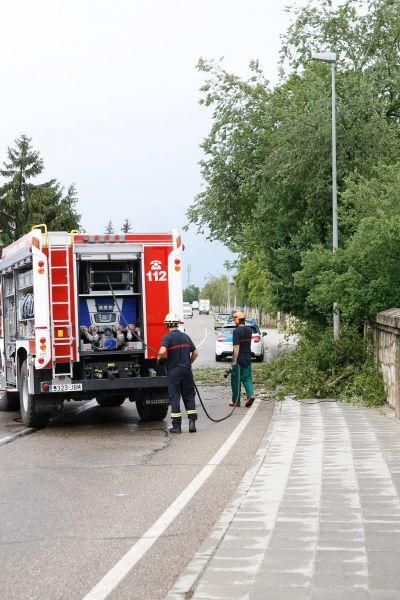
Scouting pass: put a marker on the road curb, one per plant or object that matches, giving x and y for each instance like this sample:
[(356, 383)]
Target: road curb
[(185, 587)]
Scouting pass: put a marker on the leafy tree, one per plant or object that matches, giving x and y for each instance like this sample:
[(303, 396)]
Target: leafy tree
[(109, 227), (126, 226), (267, 158), (216, 289), (191, 293), (24, 204)]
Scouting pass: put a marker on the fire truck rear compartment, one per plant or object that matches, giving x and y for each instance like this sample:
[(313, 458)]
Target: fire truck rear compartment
[(110, 311)]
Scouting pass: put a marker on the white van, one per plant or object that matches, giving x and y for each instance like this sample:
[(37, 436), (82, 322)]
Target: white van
[(204, 307)]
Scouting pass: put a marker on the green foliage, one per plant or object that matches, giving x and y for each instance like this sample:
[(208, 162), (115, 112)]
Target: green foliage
[(216, 289), (267, 158), (109, 227), (126, 226), (319, 367), (24, 204), (191, 293)]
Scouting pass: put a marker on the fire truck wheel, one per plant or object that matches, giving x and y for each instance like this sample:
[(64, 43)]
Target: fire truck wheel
[(111, 400), (27, 402), (9, 401), (151, 412)]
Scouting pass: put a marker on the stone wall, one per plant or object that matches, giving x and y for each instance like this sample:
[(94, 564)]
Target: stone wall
[(386, 332)]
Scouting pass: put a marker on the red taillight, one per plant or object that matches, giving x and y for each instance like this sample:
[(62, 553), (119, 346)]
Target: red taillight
[(221, 338), (256, 338), (41, 361), (42, 340), (41, 263), (45, 387), (177, 261)]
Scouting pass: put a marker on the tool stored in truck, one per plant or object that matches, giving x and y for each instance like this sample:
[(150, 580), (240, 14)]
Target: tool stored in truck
[(81, 318)]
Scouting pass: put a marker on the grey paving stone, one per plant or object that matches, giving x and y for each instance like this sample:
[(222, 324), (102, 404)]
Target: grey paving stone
[(282, 593), (350, 536), (298, 565), (383, 594), (221, 592), (335, 581), (386, 578), (291, 544), (340, 594), (221, 576), (281, 579), (378, 560), (339, 567), (384, 541)]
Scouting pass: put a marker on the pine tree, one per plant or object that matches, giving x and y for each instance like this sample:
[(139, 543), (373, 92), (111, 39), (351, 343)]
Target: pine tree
[(127, 226), (109, 227), (24, 204)]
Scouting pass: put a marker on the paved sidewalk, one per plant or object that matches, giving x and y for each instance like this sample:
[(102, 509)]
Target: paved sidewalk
[(316, 517)]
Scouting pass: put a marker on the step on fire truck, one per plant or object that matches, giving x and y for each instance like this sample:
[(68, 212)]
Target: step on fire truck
[(82, 317)]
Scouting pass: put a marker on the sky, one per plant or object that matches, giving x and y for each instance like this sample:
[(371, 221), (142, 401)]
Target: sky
[(108, 92)]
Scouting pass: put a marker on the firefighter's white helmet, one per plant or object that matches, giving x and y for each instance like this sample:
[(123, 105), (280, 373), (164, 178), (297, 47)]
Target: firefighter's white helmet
[(172, 318)]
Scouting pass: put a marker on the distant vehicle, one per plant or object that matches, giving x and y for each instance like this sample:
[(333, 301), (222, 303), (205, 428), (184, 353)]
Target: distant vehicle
[(224, 342), (221, 319), (204, 306), (187, 310), (195, 305)]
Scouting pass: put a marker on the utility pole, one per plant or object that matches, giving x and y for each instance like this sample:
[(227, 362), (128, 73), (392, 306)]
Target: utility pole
[(330, 58), (189, 268)]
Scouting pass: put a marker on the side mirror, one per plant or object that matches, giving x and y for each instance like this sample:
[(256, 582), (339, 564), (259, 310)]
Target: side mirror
[(264, 333)]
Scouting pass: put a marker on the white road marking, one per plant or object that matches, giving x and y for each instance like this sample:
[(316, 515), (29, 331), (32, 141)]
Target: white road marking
[(203, 340), (15, 436), (117, 573), (28, 430)]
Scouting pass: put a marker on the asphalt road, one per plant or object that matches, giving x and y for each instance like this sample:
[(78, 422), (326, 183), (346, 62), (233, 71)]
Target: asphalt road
[(77, 496)]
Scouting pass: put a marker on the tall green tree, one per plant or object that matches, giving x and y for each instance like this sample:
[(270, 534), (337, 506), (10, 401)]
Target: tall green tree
[(267, 158), (126, 226), (216, 290), (109, 227), (191, 293), (24, 203)]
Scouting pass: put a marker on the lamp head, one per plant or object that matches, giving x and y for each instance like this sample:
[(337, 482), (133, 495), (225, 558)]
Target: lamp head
[(328, 57)]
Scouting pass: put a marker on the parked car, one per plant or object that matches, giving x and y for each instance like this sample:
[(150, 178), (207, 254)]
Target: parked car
[(221, 319), (195, 305), (224, 341), (187, 310)]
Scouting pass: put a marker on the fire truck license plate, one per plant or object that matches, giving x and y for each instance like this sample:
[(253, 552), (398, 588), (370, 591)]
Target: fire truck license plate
[(66, 387)]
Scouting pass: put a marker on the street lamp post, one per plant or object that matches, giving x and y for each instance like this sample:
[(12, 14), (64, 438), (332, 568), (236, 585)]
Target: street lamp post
[(330, 58)]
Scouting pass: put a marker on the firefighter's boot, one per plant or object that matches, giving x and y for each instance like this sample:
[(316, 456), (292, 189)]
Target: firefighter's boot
[(192, 426), (176, 427)]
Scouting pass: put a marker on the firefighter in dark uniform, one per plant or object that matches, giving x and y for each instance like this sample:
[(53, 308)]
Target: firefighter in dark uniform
[(180, 352)]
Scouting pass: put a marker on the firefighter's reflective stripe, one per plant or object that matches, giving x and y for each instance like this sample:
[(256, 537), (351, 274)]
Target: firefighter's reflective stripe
[(176, 415), (192, 412)]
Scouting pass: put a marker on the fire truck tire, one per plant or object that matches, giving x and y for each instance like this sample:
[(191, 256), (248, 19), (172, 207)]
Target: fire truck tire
[(9, 401), (29, 416), (148, 412), (110, 401)]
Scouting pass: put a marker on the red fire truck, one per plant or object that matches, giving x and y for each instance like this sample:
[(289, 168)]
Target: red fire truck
[(82, 317)]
